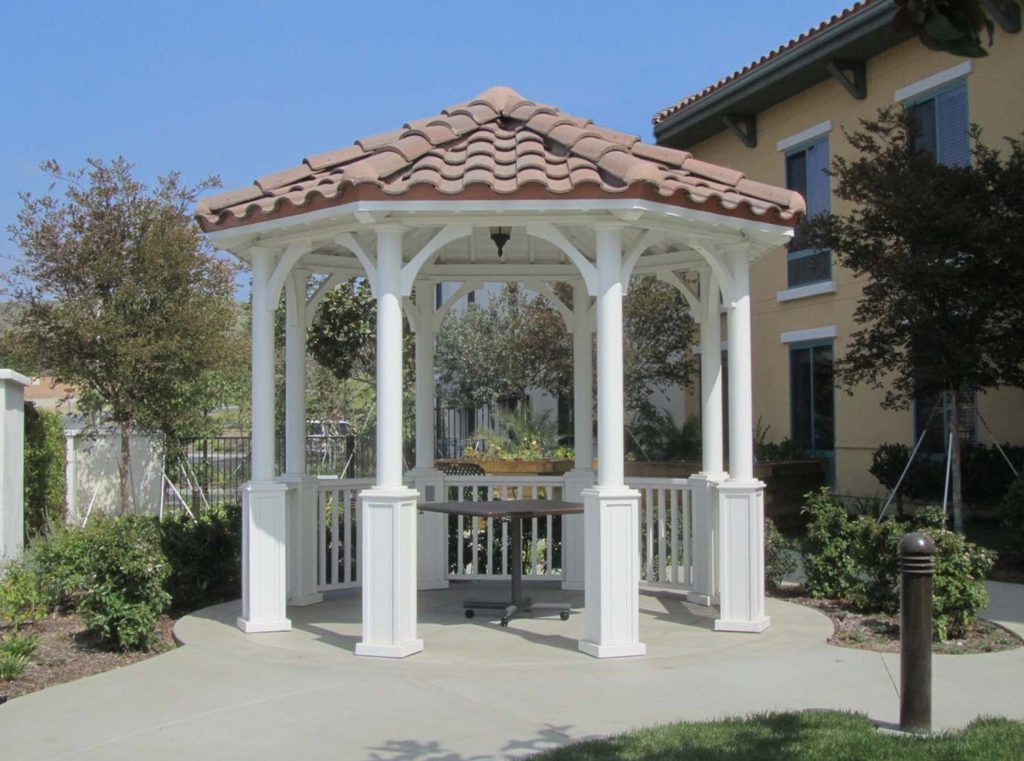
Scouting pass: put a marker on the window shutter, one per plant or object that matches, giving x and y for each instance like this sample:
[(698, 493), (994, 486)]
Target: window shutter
[(818, 193), (954, 137)]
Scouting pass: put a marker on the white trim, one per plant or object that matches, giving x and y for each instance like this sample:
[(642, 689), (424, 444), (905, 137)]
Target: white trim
[(809, 334), (802, 137), (805, 291), (935, 80), (586, 208)]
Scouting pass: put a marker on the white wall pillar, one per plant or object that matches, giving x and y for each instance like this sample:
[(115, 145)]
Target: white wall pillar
[(12, 464), (741, 497), (611, 510), (582, 475), (264, 529), (302, 550), (387, 518), (432, 528)]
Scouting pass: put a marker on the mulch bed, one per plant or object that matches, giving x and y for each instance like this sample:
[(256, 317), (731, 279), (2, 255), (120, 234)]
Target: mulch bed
[(881, 631), (67, 652)]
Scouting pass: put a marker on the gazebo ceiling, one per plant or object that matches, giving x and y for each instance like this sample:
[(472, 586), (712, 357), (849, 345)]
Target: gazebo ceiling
[(500, 147)]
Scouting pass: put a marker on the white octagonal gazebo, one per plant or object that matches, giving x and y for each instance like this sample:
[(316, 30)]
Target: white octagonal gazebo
[(587, 206)]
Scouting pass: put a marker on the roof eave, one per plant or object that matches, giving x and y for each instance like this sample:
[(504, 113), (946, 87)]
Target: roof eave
[(862, 35)]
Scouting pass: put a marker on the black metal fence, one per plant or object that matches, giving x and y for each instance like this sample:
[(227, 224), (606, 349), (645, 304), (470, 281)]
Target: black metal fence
[(207, 471)]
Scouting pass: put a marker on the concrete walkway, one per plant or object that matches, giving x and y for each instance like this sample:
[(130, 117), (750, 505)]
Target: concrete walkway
[(477, 691)]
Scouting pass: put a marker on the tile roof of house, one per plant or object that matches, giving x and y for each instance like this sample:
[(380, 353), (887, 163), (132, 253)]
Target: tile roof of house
[(689, 100), (499, 146)]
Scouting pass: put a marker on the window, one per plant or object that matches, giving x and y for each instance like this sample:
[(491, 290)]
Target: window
[(805, 173), (812, 409), (941, 125)]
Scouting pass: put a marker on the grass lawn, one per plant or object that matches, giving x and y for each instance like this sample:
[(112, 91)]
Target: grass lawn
[(826, 735)]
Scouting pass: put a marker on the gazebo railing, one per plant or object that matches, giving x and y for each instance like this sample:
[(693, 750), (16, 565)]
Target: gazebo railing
[(666, 531), (478, 548)]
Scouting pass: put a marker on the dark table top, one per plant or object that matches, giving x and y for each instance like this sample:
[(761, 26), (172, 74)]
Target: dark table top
[(519, 508)]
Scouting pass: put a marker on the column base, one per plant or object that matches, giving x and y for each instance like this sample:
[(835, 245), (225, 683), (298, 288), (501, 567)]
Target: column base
[(259, 627), (741, 570), (387, 547), (612, 651), (304, 600), (750, 627), (612, 573), (403, 650)]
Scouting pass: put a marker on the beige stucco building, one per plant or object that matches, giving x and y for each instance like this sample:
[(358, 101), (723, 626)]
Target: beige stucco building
[(781, 119)]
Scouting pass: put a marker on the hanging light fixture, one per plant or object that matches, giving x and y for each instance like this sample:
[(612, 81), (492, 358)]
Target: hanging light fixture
[(500, 236)]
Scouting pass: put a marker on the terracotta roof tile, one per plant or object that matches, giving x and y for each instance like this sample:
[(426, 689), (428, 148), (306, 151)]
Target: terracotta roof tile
[(689, 100), (500, 142)]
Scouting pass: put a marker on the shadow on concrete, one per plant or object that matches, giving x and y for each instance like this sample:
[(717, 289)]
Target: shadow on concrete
[(433, 750)]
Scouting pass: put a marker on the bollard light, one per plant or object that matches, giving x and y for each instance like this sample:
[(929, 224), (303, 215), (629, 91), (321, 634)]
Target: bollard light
[(917, 569)]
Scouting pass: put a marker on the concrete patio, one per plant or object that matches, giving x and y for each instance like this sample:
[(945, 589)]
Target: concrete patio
[(479, 691)]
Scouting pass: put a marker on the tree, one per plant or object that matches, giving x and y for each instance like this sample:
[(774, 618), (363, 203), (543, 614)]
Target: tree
[(482, 356), (120, 295), (939, 248), (954, 26), (659, 333)]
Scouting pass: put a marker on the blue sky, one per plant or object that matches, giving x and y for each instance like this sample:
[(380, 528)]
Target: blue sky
[(243, 89)]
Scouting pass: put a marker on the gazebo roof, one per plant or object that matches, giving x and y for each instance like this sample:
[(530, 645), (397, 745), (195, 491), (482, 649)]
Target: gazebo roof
[(500, 146)]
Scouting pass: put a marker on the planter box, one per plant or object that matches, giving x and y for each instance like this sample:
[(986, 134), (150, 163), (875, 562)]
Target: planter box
[(518, 467)]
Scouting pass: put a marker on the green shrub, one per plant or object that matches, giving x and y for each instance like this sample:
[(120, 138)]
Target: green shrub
[(113, 573), (857, 559), (205, 557), (44, 470), (831, 550), (11, 665), (959, 592), (21, 598), (779, 559), (1011, 511), (63, 565), (23, 645)]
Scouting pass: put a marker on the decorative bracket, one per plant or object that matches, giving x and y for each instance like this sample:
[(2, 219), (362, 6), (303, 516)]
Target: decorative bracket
[(447, 234), (719, 266), (670, 277), (547, 231), (349, 241), (442, 311), (629, 261), (744, 126), (852, 74), (285, 262), (547, 292), (313, 301), (410, 314)]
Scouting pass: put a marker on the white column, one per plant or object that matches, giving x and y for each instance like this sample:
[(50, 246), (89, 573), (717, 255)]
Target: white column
[(12, 464), (611, 510), (302, 551), (711, 375), (705, 496), (582, 475), (295, 375), (387, 517), (741, 398), (741, 497), (432, 528), (264, 529)]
